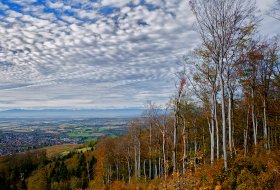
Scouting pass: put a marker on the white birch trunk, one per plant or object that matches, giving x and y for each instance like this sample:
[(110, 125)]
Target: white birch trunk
[(230, 121), (217, 128), (174, 141), (222, 85)]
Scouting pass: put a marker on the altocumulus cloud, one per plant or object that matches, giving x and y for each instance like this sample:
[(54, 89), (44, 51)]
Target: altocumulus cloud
[(91, 53)]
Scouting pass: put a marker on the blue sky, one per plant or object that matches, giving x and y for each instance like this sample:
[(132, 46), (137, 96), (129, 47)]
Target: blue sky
[(95, 53)]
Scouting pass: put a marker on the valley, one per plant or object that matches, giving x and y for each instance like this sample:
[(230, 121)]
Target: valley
[(19, 135)]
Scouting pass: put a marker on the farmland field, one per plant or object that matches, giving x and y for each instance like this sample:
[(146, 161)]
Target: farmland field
[(18, 135)]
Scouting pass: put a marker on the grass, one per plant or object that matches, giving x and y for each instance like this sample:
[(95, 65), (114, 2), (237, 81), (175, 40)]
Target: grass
[(92, 134), (63, 149), (77, 134), (91, 139), (83, 150), (87, 135), (101, 129), (112, 135)]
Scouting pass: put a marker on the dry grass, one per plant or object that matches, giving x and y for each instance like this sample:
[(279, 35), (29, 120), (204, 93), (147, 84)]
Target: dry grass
[(56, 150)]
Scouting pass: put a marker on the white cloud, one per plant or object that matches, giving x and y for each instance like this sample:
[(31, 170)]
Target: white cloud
[(55, 5), (114, 3), (80, 57)]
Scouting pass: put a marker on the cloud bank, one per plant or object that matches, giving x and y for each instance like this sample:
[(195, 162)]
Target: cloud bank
[(91, 53)]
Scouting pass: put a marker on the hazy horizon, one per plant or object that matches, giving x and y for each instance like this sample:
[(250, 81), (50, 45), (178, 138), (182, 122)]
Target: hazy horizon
[(70, 113)]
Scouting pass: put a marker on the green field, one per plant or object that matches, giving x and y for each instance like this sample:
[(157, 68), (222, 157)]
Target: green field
[(91, 134)]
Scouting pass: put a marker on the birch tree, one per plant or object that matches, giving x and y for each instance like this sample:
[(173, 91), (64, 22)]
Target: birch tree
[(180, 93), (220, 25), (135, 130), (160, 120), (268, 61), (206, 76)]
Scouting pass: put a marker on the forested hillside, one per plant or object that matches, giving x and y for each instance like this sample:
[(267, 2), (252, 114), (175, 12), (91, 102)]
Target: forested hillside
[(113, 164)]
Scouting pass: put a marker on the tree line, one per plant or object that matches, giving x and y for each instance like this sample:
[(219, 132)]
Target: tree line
[(226, 103)]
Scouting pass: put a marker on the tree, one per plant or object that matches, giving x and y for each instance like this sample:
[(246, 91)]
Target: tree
[(258, 63), (248, 75), (204, 83), (135, 130), (150, 114), (267, 53), (220, 25), (180, 94), (161, 121)]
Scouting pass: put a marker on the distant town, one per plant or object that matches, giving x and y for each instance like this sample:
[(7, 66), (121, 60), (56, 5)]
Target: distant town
[(19, 135)]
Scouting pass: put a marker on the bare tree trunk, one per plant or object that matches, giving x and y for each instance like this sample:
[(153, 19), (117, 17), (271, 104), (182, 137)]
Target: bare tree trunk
[(128, 169), (233, 126), (150, 154), (212, 145), (266, 144), (246, 132), (217, 128), (164, 155), (230, 121), (203, 142), (254, 117), (135, 162), (223, 115), (195, 140), (139, 159), (174, 141), (184, 145), (117, 167), (128, 166), (156, 171), (211, 127)]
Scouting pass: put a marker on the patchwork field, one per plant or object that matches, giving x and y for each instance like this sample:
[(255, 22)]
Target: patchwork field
[(27, 134)]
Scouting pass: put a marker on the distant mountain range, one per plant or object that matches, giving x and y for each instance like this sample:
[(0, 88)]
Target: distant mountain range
[(71, 113)]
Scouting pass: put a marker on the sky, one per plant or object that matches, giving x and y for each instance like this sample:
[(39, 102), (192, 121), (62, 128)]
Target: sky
[(95, 54)]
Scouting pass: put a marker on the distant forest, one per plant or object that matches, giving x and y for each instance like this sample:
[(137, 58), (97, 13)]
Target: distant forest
[(220, 130)]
